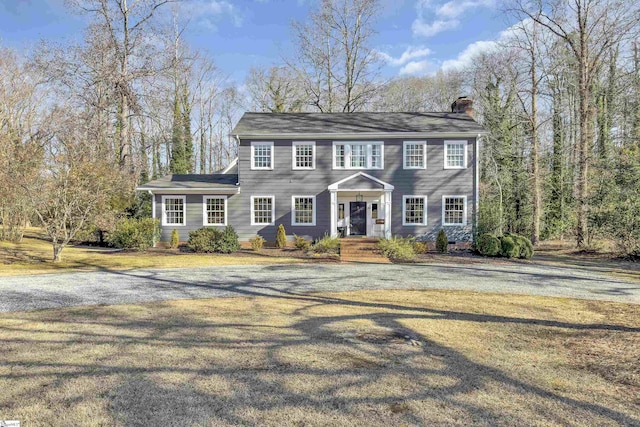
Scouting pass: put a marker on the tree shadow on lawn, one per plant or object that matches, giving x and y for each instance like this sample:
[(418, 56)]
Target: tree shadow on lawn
[(194, 363)]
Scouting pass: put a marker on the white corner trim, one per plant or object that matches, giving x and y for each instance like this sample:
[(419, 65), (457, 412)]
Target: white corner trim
[(231, 165), (273, 210), (253, 158), (456, 142), (464, 211), (385, 185), (404, 210), (424, 154), (294, 144), (313, 211), (205, 217), (184, 211)]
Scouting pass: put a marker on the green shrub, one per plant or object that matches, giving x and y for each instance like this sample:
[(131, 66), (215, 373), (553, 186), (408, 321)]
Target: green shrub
[(175, 239), (301, 243), (138, 234), (257, 242), (281, 237), (420, 247), (442, 242), (228, 241), (204, 239), (398, 249), (488, 245), (509, 247), (209, 240), (526, 248), (326, 244)]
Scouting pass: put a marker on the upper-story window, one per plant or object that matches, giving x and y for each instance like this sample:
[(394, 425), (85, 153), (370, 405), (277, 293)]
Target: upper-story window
[(304, 155), (262, 155), (358, 155), (415, 155), (455, 154)]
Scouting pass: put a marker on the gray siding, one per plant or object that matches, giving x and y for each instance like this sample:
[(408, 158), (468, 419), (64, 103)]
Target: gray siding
[(282, 182)]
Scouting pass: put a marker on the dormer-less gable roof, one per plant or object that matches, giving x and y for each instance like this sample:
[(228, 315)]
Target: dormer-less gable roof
[(360, 181), (344, 125)]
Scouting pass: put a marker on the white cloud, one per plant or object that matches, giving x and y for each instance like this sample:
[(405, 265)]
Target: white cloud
[(424, 29), (410, 53), (208, 13), (415, 68), (434, 18)]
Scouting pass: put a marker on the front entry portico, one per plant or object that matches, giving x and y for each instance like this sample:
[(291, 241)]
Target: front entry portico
[(361, 206)]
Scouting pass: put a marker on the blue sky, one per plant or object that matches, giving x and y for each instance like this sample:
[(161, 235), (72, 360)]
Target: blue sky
[(415, 37)]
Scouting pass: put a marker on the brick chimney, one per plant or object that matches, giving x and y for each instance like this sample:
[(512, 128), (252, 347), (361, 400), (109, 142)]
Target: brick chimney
[(463, 105)]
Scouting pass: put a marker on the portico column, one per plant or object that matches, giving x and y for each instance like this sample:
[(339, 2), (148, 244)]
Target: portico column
[(387, 214), (334, 213)]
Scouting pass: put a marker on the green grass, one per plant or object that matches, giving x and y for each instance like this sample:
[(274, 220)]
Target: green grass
[(325, 359), (33, 256)]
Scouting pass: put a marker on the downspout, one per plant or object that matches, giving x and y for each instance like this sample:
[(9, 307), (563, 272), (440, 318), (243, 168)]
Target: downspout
[(237, 138), (153, 212)]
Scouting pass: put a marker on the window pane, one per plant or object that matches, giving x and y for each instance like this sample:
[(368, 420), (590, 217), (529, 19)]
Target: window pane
[(262, 155), (340, 156), (215, 211), (262, 210), (376, 156), (174, 210), (414, 210), (304, 155), (455, 155), (414, 155), (303, 210), (358, 156), (454, 210)]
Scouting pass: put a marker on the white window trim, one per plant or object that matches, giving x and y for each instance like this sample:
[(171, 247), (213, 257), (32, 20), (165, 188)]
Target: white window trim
[(456, 142), (464, 211), (273, 210), (294, 144), (253, 159), (205, 217), (164, 212), (347, 155), (424, 154), (404, 210), (293, 211)]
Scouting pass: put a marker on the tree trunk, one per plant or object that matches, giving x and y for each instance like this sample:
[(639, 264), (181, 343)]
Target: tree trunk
[(57, 251), (535, 180)]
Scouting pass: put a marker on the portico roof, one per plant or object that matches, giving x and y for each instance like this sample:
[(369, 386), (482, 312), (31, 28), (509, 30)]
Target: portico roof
[(360, 182)]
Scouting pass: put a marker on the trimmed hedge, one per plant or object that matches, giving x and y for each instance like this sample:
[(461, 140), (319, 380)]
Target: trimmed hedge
[(301, 243), (442, 242), (175, 239), (281, 237), (488, 245), (398, 249), (210, 240), (257, 242), (139, 234)]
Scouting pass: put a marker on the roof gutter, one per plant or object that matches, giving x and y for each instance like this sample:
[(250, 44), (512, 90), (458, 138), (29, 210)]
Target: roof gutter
[(361, 135)]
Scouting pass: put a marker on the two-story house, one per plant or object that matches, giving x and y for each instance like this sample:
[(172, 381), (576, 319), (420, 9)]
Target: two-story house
[(345, 174)]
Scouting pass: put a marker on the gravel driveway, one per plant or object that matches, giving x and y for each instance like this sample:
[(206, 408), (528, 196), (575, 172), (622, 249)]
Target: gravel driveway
[(118, 287)]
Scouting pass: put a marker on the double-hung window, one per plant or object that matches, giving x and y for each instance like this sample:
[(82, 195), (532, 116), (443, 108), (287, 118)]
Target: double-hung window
[(214, 210), (263, 210), (173, 210), (303, 210), (358, 155), (415, 154), (455, 154), (454, 210), (304, 155), (261, 155), (414, 210)]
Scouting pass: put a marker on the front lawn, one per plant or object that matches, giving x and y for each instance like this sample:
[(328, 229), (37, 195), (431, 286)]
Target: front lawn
[(352, 358), (33, 256)]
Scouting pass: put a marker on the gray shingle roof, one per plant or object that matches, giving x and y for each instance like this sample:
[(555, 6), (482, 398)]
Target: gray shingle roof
[(272, 124), (193, 181)]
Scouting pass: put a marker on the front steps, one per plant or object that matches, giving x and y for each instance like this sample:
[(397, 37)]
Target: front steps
[(360, 250)]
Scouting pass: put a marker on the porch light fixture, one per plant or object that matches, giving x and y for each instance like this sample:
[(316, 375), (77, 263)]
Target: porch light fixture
[(359, 198)]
